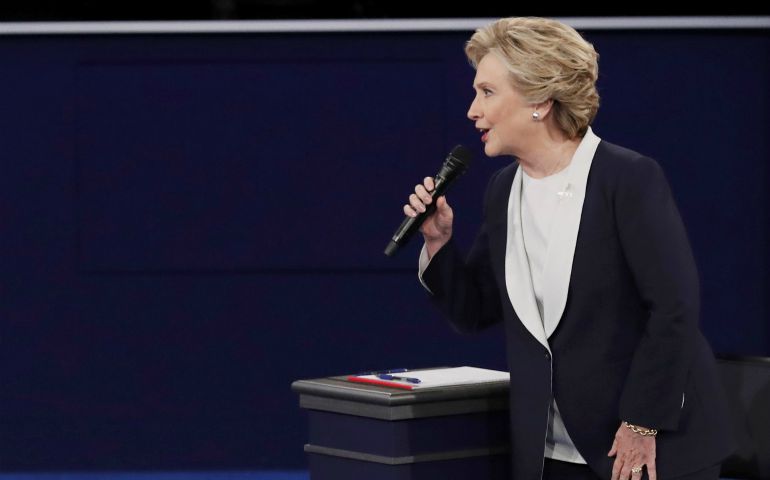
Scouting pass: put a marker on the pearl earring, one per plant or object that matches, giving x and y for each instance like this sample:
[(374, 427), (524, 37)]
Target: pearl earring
[(535, 116)]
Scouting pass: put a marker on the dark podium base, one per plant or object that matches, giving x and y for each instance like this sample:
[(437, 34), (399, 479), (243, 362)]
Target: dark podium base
[(329, 467), (367, 431)]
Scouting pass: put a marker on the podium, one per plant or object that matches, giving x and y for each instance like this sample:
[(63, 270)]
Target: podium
[(379, 433)]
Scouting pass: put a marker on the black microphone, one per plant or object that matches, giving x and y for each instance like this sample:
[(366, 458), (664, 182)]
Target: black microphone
[(458, 160)]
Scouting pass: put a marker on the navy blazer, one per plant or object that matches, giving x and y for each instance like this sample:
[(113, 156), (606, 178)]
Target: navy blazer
[(627, 345)]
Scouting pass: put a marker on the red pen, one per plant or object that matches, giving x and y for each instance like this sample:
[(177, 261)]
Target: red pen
[(381, 383)]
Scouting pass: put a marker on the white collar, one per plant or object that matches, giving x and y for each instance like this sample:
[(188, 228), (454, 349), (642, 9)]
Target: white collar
[(561, 246)]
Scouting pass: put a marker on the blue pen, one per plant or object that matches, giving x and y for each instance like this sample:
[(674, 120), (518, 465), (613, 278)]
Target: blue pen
[(378, 372), (393, 377)]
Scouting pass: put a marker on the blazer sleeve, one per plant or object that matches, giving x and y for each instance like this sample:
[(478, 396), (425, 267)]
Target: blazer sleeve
[(656, 248), (465, 290)]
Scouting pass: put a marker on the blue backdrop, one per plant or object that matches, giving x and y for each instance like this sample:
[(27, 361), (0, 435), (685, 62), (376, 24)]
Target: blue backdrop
[(192, 222)]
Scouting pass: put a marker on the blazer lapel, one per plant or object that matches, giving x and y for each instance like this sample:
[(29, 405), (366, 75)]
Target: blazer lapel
[(563, 235), (518, 280)]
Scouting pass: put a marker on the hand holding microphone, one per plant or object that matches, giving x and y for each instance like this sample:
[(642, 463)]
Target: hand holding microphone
[(437, 229)]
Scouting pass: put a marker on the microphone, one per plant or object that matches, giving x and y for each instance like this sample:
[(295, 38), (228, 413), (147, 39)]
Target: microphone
[(454, 165)]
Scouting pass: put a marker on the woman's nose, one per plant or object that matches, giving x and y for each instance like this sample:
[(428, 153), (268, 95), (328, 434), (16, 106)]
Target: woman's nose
[(472, 111)]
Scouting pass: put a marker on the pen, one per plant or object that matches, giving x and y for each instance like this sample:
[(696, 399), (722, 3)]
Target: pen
[(394, 377), (379, 372), (382, 383)]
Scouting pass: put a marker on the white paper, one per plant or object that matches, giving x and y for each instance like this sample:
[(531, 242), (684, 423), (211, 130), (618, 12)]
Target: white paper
[(444, 377)]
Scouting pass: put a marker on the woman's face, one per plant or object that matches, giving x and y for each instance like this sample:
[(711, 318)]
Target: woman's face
[(499, 108)]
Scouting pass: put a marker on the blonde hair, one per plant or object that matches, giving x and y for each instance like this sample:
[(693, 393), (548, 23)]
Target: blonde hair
[(546, 60)]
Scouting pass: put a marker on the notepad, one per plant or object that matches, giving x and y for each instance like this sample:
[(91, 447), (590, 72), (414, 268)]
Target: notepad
[(439, 377)]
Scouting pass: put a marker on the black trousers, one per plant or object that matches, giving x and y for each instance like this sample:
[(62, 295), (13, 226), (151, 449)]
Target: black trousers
[(556, 470)]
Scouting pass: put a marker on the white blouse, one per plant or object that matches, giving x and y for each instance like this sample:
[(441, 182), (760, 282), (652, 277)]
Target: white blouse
[(539, 198)]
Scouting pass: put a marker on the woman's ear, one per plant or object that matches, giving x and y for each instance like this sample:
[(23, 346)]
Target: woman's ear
[(542, 109)]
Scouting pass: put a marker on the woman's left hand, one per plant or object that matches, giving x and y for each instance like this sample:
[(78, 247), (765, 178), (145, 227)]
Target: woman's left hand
[(632, 450)]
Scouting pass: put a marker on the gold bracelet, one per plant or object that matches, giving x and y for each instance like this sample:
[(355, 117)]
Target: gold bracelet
[(645, 432)]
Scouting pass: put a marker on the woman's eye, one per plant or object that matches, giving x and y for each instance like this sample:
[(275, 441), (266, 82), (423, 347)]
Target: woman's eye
[(486, 91)]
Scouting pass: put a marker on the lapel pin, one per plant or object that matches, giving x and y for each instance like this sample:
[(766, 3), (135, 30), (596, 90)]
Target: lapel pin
[(566, 193)]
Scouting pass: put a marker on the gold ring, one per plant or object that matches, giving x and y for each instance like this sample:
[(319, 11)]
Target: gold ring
[(636, 469)]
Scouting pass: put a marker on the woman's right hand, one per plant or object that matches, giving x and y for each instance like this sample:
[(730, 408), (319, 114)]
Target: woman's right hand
[(437, 228)]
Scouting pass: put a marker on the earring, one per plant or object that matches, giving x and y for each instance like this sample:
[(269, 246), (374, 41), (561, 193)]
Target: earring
[(535, 116)]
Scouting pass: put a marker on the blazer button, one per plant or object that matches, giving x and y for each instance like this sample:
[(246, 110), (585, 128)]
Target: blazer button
[(547, 356)]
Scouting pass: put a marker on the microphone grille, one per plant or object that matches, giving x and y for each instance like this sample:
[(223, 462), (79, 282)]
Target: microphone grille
[(462, 155)]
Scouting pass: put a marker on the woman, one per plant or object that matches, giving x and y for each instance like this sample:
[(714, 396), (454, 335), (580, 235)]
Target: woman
[(583, 255)]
